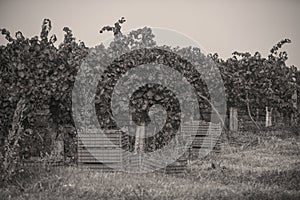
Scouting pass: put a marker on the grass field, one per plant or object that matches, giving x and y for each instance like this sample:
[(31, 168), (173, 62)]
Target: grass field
[(251, 167)]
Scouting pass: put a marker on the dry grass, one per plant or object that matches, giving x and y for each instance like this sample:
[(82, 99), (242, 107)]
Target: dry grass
[(269, 168)]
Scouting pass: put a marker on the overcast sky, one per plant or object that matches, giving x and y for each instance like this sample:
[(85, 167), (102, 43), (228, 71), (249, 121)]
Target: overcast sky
[(218, 26)]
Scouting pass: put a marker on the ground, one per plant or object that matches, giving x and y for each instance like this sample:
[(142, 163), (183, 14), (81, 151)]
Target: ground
[(251, 166)]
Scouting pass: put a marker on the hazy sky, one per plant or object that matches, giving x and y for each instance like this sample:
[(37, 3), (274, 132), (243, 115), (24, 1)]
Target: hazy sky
[(220, 26)]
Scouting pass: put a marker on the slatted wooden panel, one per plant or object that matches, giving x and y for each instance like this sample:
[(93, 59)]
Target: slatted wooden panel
[(178, 167), (146, 164), (103, 152), (104, 147), (204, 136)]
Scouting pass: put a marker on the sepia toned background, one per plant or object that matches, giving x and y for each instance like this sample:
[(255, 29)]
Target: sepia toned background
[(219, 26)]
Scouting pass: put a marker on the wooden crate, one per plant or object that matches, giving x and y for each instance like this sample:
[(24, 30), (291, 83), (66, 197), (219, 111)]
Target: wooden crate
[(98, 151), (103, 152), (147, 164), (177, 167), (204, 136)]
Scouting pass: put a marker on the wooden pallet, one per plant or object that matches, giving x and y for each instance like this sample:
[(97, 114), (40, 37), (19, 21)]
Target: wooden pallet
[(148, 165), (203, 136), (102, 151), (98, 151)]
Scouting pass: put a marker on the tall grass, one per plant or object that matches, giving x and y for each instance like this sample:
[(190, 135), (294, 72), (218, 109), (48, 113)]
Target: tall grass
[(262, 166)]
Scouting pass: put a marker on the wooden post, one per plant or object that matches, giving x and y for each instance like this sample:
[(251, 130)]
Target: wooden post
[(233, 119), (268, 116), (139, 139), (58, 150), (139, 144), (294, 114), (257, 114)]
